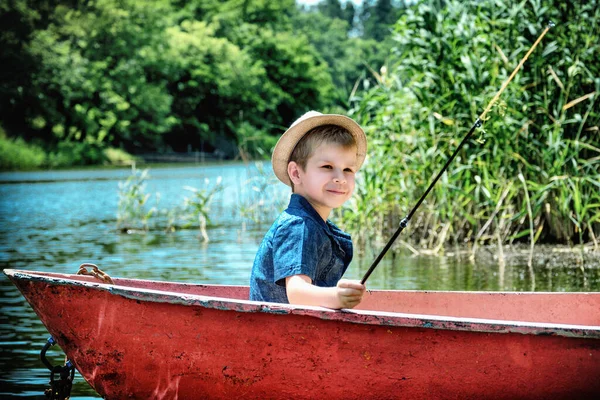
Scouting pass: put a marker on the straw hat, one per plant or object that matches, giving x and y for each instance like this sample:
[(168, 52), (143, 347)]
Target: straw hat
[(287, 142)]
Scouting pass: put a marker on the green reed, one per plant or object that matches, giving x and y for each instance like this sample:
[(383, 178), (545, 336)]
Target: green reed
[(133, 212), (447, 65), (197, 206), (262, 199)]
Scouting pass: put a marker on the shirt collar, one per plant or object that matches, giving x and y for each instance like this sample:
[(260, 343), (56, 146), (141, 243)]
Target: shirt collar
[(297, 201)]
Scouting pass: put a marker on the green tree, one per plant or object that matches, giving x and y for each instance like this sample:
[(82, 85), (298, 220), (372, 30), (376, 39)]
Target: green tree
[(172, 74), (332, 9), (377, 18), (93, 86), (349, 14), (296, 78), (229, 14), (211, 80), (19, 20), (348, 57)]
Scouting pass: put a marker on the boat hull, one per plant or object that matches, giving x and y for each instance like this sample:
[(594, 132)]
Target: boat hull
[(144, 343)]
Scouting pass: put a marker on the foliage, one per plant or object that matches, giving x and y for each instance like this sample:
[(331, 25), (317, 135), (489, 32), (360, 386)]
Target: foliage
[(16, 154), (71, 153), (253, 143), (197, 206), (202, 66), (265, 200), (348, 58), (378, 16), (450, 59), (98, 79), (332, 9), (133, 212), (208, 75), (116, 156), (295, 77), (167, 75)]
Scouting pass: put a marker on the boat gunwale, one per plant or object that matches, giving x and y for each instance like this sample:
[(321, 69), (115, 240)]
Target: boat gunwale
[(9, 271), (358, 316)]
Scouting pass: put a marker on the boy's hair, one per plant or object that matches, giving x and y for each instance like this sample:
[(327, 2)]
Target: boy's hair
[(323, 134)]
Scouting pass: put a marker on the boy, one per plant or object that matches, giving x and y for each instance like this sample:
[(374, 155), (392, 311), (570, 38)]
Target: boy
[(303, 255)]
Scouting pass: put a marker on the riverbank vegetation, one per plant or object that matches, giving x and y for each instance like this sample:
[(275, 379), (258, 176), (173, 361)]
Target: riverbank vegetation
[(177, 76), (17, 154), (135, 212), (139, 211), (533, 170), (229, 76)]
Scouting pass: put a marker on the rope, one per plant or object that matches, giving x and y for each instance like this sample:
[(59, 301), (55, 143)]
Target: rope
[(95, 272)]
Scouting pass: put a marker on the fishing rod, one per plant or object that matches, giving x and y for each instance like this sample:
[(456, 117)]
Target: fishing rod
[(477, 124)]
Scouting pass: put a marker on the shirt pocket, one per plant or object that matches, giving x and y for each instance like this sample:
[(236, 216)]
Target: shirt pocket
[(332, 267), (333, 272)]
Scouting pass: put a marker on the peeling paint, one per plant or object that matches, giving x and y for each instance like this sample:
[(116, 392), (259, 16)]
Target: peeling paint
[(351, 316), (144, 342)]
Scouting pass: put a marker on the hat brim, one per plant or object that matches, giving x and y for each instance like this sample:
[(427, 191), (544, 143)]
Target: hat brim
[(287, 142)]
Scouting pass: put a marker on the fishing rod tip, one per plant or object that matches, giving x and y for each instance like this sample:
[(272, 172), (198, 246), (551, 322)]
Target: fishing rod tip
[(551, 24)]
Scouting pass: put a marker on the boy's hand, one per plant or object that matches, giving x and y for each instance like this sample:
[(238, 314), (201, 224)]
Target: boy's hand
[(349, 293), (300, 290)]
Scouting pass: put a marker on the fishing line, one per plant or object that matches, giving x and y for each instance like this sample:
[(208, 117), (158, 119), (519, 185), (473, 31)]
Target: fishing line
[(477, 124)]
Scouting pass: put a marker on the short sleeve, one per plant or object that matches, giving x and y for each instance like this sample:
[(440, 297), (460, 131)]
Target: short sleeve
[(296, 247)]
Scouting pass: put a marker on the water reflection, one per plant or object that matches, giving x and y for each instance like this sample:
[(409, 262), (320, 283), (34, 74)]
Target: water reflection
[(408, 272), (54, 221)]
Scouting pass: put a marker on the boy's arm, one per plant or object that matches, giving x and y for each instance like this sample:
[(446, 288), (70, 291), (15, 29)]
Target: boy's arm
[(300, 290)]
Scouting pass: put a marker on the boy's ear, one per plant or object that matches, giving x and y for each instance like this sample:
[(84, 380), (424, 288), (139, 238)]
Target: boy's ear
[(293, 171)]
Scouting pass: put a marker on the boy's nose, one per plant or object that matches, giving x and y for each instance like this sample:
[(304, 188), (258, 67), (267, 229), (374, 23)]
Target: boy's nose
[(339, 178)]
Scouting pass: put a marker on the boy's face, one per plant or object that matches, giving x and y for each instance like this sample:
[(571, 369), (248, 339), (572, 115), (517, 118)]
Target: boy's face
[(328, 179)]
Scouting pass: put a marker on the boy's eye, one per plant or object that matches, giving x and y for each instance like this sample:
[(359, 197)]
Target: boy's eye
[(327, 166), (349, 170)]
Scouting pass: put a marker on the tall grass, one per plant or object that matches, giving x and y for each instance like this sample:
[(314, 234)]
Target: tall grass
[(135, 214), (262, 200), (16, 154), (197, 205), (449, 61)]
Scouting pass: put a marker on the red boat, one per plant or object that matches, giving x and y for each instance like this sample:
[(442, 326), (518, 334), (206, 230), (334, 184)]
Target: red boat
[(147, 339)]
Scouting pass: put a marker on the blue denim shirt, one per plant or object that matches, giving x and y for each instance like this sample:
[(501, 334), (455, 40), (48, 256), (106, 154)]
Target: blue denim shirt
[(299, 243)]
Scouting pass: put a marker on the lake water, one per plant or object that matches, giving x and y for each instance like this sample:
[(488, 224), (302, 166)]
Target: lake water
[(56, 220)]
